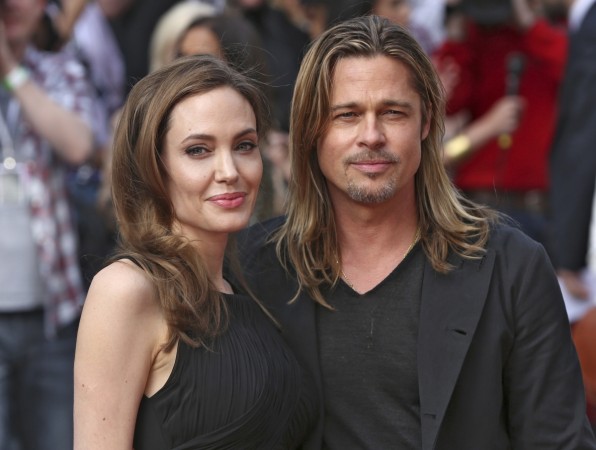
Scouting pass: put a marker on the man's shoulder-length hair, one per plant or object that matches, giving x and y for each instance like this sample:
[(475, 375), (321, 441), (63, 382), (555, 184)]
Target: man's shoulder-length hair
[(307, 241)]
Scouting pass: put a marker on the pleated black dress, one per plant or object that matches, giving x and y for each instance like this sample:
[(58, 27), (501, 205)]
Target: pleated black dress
[(247, 392)]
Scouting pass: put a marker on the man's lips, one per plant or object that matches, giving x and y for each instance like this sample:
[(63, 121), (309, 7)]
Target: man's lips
[(372, 166), (231, 200)]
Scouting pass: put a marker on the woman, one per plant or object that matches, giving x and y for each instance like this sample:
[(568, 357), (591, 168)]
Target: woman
[(171, 26), (169, 353)]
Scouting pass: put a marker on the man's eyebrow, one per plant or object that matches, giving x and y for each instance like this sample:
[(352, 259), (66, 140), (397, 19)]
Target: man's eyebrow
[(350, 105), (339, 106)]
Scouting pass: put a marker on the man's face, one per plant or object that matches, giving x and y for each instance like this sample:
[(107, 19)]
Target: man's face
[(21, 19), (371, 148)]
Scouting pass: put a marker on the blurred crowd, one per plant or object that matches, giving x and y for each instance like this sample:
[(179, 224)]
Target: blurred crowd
[(520, 86)]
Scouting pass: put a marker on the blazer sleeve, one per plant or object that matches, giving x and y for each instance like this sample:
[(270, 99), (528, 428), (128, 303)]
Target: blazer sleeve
[(542, 379)]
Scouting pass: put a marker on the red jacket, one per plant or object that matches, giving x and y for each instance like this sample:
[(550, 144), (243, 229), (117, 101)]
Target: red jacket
[(483, 70)]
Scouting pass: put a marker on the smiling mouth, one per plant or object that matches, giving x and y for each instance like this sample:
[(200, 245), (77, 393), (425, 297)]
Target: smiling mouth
[(372, 166), (229, 201)]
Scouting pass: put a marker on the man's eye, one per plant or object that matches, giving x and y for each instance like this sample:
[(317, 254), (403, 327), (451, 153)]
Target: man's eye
[(346, 115)]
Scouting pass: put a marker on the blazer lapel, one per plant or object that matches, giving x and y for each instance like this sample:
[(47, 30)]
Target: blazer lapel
[(450, 309), (300, 331)]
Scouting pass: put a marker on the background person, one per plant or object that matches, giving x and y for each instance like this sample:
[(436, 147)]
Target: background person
[(171, 26), (508, 49), (46, 106)]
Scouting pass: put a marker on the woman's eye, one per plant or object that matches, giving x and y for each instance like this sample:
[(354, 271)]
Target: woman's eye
[(196, 150), (246, 146)]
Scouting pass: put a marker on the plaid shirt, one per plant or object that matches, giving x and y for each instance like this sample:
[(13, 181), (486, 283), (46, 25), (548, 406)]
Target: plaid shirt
[(64, 79)]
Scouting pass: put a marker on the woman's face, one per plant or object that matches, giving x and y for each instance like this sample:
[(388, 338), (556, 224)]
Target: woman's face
[(213, 164), (200, 40)]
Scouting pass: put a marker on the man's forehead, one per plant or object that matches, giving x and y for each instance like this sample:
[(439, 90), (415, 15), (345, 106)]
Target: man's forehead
[(379, 73)]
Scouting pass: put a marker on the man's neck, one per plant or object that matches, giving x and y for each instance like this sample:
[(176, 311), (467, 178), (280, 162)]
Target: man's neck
[(372, 243), (369, 229)]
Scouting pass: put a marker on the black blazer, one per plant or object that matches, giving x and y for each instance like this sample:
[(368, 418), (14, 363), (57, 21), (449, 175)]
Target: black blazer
[(497, 367)]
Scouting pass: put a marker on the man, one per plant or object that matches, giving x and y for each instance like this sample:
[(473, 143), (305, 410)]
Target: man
[(45, 116), (426, 323)]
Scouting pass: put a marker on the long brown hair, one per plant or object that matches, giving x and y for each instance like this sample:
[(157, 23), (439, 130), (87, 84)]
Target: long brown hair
[(192, 306), (308, 239)]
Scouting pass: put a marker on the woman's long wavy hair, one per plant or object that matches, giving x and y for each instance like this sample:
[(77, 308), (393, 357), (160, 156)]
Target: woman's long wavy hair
[(308, 239), (193, 308)]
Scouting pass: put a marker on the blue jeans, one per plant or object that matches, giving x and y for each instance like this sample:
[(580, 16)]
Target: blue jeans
[(36, 384)]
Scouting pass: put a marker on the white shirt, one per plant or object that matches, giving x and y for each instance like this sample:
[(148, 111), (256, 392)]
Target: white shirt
[(578, 11)]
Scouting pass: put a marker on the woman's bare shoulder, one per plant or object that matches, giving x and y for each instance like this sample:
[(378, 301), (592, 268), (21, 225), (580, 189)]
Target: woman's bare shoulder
[(123, 286)]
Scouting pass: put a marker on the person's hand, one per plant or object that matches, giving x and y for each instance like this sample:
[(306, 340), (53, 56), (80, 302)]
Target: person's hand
[(67, 17), (7, 59), (523, 14), (448, 71), (503, 117)]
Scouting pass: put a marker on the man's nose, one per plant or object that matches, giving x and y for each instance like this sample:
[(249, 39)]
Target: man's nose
[(372, 134)]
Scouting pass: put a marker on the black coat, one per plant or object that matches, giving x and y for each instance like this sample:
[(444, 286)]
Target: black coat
[(497, 367)]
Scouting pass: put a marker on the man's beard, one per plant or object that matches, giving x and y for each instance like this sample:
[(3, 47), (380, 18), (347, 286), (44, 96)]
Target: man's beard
[(363, 195)]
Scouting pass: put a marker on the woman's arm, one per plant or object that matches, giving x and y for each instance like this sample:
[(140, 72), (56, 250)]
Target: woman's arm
[(120, 334)]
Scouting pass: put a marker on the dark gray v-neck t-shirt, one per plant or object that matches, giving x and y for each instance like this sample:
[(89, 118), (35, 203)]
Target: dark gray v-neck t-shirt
[(369, 362)]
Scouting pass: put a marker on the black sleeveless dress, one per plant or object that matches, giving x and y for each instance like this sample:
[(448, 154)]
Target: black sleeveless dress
[(246, 392)]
